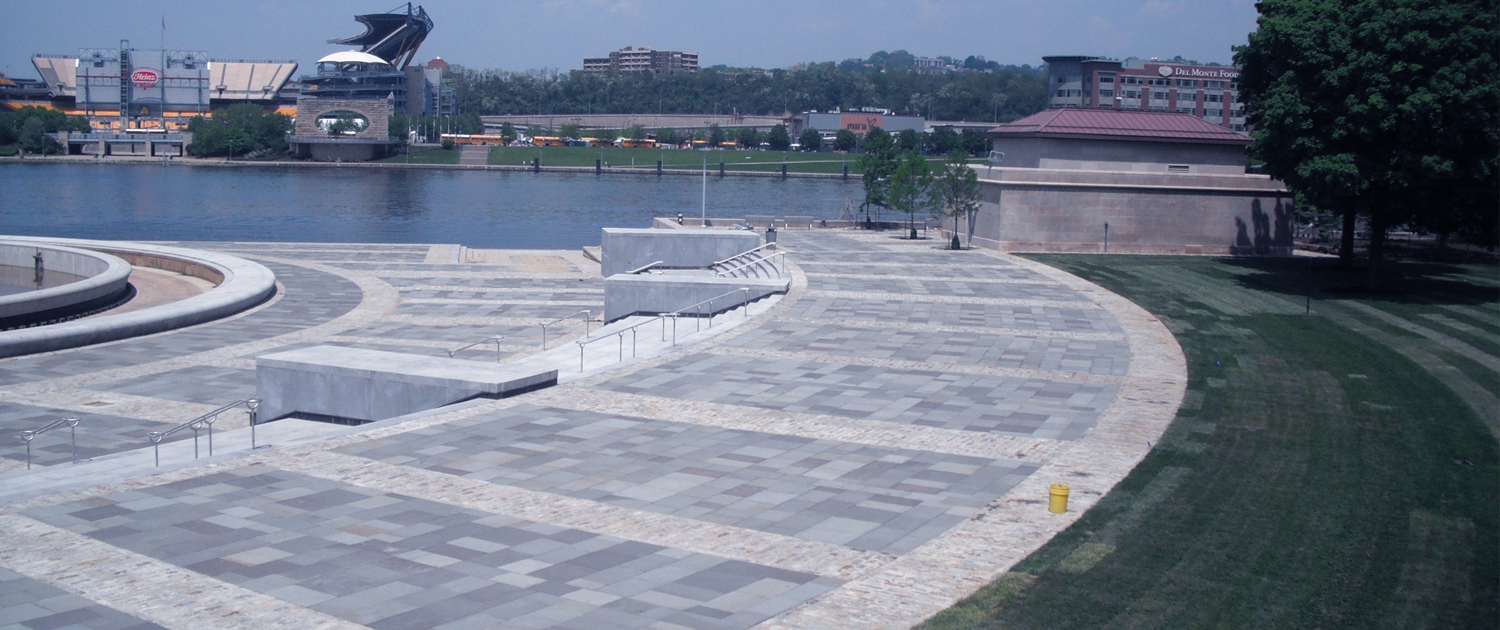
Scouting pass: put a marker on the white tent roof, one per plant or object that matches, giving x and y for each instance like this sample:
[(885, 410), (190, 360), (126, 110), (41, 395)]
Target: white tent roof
[(353, 56)]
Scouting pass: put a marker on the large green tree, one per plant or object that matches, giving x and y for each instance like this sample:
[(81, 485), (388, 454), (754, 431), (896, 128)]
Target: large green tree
[(810, 139), (778, 138), (1384, 109), (237, 130)]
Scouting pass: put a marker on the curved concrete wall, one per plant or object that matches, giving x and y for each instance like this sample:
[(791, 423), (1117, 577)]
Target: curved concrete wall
[(244, 284), (103, 276)]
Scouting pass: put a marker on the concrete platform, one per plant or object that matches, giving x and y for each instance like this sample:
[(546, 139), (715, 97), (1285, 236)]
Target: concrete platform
[(370, 385)]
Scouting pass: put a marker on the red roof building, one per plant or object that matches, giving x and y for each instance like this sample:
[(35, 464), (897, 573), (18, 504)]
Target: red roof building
[(1115, 140)]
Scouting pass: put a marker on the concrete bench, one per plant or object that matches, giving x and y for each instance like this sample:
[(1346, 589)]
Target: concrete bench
[(759, 220), (370, 385), (799, 222)]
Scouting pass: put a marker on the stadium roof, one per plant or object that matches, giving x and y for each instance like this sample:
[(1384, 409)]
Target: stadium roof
[(1109, 124), (353, 56)]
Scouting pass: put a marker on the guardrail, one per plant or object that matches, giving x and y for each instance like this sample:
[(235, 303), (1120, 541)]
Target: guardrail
[(587, 317), (744, 253), (758, 261), (495, 339), (698, 311), (28, 436), (648, 266), (206, 420)]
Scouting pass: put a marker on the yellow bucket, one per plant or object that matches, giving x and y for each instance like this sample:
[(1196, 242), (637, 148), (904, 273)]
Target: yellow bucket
[(1059, 502)]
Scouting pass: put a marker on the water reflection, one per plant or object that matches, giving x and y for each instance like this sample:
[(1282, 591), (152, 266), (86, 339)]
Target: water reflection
[(478, 209)]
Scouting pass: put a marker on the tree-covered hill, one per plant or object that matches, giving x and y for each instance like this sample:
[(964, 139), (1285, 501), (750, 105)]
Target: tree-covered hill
[(980, 90)]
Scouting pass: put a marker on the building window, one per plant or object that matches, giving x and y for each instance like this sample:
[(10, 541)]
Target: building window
[(1213, 113), (1131, 93), (1106, 78), (1213, 98), (1106, 93), (1186, 109), (1159, 82), (1131, 81), (1187, 83), (1179, 168), (1214, 85), (1158, 96)]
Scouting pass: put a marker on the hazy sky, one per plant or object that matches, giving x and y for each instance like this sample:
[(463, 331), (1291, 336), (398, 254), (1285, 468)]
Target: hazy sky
[(525, 34)]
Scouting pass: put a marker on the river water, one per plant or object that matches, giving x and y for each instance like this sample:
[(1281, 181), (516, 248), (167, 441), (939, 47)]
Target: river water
[(361, 205)]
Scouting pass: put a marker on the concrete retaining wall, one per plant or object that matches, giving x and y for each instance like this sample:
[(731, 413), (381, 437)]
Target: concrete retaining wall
[(626, 295), (244, 284), (104, 276), (625, 249), (1152, 213), (373, 385)]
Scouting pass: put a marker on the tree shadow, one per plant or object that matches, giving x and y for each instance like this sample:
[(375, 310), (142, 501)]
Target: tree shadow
[(1410, 282), (1272, 233)]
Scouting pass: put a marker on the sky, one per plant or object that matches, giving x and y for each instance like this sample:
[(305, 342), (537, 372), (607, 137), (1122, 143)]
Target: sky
[(558, 34)]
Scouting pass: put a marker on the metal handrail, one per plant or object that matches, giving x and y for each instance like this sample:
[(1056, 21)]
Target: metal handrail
[(744, 253), (206, 420), (587, 317), (636, 271), (28, 436), (495, 339), (620, 334), (755, 262)]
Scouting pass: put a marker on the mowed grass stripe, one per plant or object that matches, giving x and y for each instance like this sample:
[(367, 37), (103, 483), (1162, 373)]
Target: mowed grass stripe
[(1316, 478)]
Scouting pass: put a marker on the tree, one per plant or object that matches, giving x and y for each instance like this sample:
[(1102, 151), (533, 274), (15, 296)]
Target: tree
[(635, 132), (810, 139), (942, 141), (911, 188), (957, 192), (877, 164), (568, 130), (1378, 108), (238, 129), (908, 140), (715, 135), (974, 142), (844, 140), (470, 123), (508, 132), (779, 139), (747, 138), (34, 138)]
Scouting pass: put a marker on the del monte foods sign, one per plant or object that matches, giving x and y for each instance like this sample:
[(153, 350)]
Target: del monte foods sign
[(145, 78), (1197, 73)]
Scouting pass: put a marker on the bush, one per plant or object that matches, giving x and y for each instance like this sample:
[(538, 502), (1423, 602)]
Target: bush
[(447, 144)]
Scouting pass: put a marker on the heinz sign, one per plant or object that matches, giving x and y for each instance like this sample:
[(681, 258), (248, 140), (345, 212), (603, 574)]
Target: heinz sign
[(145, 78)]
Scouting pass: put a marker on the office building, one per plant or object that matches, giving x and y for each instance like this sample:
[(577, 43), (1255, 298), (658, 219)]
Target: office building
[(631, 59), (1209, 92)]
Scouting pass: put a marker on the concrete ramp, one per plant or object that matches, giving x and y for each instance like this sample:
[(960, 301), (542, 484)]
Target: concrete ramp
[(370, 385)]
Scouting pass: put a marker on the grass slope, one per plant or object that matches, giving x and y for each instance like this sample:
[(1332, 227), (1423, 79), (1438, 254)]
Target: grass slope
[(645, 159), (1332, 471), (425, 155)]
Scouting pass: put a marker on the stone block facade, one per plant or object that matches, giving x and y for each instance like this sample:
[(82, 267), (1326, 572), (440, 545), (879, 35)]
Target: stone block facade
[(309, 109)]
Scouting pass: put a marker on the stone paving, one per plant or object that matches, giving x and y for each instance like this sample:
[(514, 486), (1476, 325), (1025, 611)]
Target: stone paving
[(874, 447)]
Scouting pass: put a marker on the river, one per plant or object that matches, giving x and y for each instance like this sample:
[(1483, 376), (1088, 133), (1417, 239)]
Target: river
[(512, 210)]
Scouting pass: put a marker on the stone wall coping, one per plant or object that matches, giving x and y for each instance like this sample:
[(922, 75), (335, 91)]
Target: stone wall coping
[(416, 369), (111, 279), (245, 284)]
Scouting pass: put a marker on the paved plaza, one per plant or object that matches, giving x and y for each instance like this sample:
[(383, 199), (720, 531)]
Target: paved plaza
[(873, 447)]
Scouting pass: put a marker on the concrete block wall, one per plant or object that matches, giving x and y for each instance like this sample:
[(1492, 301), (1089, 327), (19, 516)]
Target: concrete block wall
[(1153, 213), (626, 295), (626, 249), (309, 109)]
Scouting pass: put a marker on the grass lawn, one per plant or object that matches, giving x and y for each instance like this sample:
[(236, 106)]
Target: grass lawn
[(1338, 470), (426, 155), (645, 159)]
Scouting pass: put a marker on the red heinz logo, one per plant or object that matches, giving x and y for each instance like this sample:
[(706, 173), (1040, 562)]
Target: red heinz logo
[(145, 78)]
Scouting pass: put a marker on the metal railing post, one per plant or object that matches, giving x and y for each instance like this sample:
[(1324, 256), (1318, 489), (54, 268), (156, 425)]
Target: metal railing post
[(253, 404), (73, 435), (580, 356), (27, 436)]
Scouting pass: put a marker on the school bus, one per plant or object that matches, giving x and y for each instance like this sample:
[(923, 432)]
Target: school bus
[(632, 143), (464, 138), (548, 141)]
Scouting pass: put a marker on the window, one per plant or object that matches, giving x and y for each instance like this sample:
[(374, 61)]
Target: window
[(1158, 96), (1187, 83), (1213, 113), (1159, 82), (1069, 93), (1213, 98), (1131, 81), (1186, 108), (1106, 93), (1069, 79), (1179, 168), (1132, 93), (1214, 85), (1106, 78)]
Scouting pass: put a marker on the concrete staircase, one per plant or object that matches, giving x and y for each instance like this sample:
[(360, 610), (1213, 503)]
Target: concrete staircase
[(474, 155), (753, 264)]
